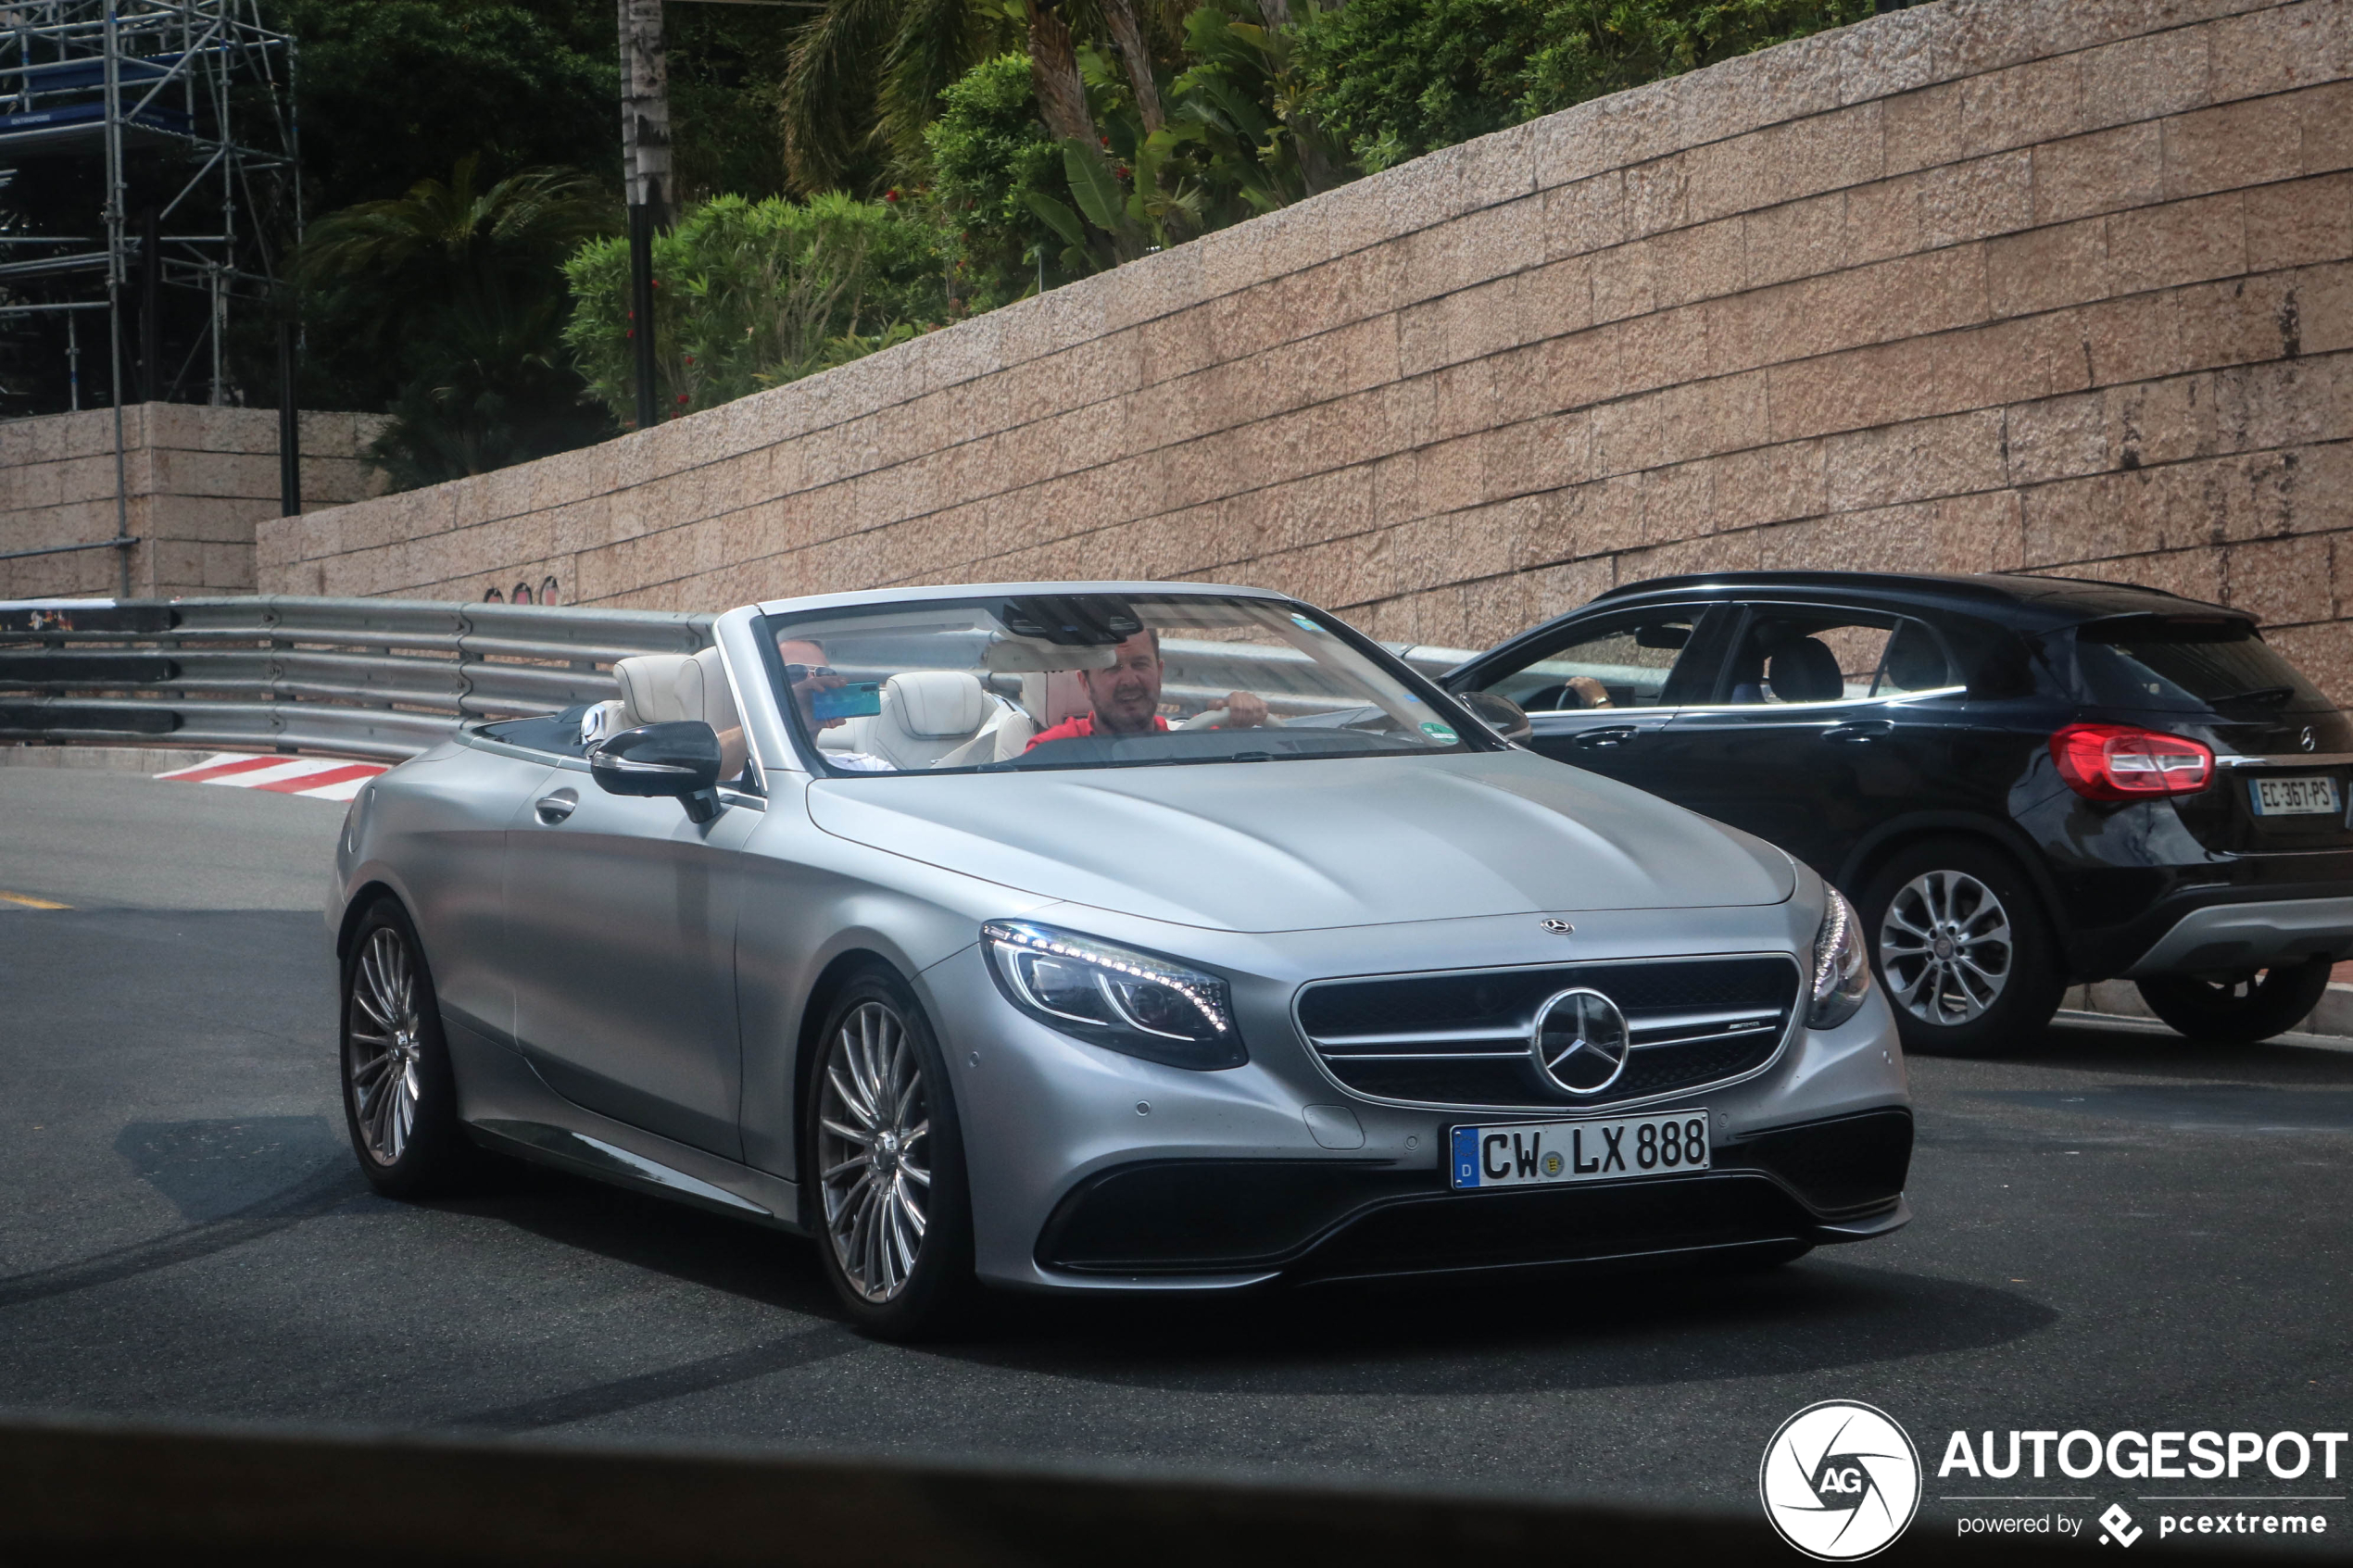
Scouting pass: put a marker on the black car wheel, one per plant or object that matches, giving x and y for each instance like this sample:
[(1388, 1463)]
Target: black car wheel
[(886, 1165), (399, 1095), (2243, 1009), (1960, 940)]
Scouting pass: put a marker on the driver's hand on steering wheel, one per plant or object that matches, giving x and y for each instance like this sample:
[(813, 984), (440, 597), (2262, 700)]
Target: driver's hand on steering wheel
[(1590, 692), (1244, 710)]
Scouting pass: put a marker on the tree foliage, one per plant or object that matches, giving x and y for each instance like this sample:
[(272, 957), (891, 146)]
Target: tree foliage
[(752, 294), (453, 292), (1394, 78)]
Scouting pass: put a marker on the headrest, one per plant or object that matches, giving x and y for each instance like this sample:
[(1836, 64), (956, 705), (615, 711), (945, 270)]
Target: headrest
[(1914, 662), (936, 704), (1025, 656), (1805, 671), (1055, 695), (649, 688), (661, 688)]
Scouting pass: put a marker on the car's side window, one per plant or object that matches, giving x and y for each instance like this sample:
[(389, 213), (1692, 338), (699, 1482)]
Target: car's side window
[(1795, 654), (1649, 659)]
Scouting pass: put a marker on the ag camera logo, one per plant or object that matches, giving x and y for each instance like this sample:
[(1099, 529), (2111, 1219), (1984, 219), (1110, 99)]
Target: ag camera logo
[(1840, 1480)]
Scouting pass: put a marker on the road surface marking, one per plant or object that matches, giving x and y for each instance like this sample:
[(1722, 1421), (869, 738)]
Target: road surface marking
[(319, 778), (30, 902)]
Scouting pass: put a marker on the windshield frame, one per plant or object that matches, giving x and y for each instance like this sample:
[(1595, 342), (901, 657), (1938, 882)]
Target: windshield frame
[(776, 616)]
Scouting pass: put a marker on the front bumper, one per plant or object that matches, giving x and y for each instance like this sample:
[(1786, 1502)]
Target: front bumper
[(1091, 1171), (1840, 1180)]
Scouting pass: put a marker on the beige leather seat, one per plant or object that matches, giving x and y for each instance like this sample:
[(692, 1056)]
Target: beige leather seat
[(1047, 698), (928, 714), (662, 688)]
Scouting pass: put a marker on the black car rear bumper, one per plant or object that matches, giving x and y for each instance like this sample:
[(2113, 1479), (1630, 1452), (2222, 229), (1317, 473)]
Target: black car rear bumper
[(1305, 1221), (2267, 917)]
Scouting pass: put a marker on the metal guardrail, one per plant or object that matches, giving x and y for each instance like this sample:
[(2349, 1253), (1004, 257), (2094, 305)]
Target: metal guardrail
[(381, 679), (387, 679)]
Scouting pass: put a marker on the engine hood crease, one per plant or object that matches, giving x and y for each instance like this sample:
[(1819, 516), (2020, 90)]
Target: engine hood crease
[(1271, 846)]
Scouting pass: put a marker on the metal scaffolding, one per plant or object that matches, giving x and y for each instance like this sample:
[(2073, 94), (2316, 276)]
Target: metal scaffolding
[(167, 127), (174, 118)]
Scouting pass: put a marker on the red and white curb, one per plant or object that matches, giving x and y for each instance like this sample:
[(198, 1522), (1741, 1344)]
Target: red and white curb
[(318, 777)]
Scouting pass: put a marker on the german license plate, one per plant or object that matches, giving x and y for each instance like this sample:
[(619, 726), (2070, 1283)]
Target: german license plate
[(1542, 1153), (2306, 794)]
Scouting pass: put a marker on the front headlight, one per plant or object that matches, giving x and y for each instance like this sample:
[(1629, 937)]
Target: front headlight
[(1115, 997), (1842, 969)]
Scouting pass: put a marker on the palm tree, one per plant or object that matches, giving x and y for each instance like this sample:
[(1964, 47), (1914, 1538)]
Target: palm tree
[(459, 284), (865, 75), (864, 78)]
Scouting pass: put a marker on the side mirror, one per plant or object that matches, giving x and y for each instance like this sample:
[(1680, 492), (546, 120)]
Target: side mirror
[(679, 759), (1503, 716)]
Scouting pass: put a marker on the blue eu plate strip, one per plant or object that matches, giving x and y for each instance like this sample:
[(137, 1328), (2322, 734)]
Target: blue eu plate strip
[(1465, 1156)]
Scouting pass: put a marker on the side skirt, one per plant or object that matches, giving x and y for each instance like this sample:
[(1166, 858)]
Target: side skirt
[(506, 1108)]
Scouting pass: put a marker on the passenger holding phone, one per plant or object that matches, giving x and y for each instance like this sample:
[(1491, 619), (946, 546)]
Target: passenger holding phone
[(813, 682)]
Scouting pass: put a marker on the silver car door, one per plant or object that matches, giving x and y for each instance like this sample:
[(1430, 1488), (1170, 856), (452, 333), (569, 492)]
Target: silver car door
[(621, 914), (457, 811)]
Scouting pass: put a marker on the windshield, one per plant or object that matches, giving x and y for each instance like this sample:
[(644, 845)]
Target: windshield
[(2188, 664), (1091, 681)]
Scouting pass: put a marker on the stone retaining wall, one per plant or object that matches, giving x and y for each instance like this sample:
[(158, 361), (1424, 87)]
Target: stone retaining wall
[(2060, 285), (198, 480)]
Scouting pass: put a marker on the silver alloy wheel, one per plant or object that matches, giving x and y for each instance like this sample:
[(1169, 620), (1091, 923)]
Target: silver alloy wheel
[(874, 1151), (383, 1063), (1944, 947)]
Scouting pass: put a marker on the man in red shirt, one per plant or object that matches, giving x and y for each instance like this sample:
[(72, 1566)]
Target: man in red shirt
[(1125, 698)]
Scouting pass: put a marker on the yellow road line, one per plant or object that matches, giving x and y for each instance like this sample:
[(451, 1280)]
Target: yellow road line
[(30, 902)]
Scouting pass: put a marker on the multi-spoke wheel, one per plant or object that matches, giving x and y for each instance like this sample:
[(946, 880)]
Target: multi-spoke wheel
[(1959, 941), (886, 1163), (384, 1036), (874, 1151), (1944, 947), (399, 1097)]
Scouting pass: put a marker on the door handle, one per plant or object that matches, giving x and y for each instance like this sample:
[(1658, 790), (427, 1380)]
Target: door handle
[(1615, 735), (554, 808), (1861, 733)]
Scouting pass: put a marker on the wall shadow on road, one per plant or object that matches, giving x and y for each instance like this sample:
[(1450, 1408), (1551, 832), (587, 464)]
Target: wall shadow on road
[(650, 1233), (1813, 1316)]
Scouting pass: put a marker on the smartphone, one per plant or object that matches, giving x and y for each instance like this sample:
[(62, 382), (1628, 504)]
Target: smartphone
[(857, 700)]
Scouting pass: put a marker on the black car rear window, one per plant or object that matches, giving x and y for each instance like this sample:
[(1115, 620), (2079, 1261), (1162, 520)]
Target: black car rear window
[(2187, 663)]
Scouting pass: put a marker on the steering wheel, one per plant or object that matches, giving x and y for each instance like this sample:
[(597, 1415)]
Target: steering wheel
[(1214, 718)]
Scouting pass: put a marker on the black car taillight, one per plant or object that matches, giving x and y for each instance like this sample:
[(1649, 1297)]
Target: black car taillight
[(2125, 762)]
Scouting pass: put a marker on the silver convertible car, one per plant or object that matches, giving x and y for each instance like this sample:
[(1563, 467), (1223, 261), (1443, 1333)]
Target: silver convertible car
[(1103, 936)]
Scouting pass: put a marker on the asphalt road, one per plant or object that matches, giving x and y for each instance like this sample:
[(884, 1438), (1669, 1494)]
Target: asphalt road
[(2116, 1230)]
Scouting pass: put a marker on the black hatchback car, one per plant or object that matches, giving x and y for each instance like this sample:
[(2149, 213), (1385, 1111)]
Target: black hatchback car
[(2022, 782)]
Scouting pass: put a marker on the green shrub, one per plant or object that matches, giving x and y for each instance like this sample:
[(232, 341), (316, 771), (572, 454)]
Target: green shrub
[(1393, 79), (989, 158), (752, 294)]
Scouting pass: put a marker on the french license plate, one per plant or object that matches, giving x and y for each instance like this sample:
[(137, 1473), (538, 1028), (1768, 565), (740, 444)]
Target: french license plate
[(1538, 1153), (2307, 794)]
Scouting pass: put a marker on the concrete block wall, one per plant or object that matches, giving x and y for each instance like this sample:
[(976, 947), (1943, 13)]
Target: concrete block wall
[(2052, 285), (198, 478)]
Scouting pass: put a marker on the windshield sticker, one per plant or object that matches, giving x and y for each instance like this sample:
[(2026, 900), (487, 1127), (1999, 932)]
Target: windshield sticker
[(1437, 731)]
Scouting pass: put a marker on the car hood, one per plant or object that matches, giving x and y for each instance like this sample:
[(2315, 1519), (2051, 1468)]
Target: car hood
[(1309, 845)]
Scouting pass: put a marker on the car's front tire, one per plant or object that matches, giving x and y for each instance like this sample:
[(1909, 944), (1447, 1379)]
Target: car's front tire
[(884, 1165), (399, 1093), (2241, 1011), (1959, 939)]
